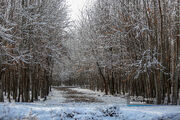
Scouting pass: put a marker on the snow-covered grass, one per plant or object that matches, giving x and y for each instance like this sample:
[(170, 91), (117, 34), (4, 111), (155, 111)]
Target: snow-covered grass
[(55, 97), (85, 112), (55, 108)]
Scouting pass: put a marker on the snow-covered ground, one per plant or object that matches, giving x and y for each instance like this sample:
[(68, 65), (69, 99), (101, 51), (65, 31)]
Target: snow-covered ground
[(107, 99), (106, 108)]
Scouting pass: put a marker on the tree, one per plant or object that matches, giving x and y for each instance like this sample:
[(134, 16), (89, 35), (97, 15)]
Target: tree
[(31, 36), (134, 46)]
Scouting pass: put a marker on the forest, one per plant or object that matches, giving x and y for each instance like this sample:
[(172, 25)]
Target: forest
[(126, 47)]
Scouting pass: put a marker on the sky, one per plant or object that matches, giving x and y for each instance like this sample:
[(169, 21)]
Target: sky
[(75, 6)]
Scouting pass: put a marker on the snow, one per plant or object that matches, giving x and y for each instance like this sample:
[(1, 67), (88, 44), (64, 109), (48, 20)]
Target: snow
[(107, 99), (55, 97), (56, 108)]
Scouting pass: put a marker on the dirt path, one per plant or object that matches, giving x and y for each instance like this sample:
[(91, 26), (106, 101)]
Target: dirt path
[(75, 96)]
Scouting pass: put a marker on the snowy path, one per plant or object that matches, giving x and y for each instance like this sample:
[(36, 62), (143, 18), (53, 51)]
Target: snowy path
[(78, 97), (71, 95), (82, 104)]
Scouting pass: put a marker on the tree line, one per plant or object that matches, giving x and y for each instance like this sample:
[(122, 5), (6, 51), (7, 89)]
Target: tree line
[(129, 46), (31, 35), (118, 46)]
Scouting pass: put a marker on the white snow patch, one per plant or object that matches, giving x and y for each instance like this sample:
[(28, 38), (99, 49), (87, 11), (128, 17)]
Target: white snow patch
[(110, 109)]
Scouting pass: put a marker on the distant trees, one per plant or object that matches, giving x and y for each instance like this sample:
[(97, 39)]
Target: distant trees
[(131, 47), (31, 32)]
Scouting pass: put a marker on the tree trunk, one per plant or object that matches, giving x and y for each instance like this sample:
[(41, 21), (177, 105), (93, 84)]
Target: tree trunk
[(104, 80)]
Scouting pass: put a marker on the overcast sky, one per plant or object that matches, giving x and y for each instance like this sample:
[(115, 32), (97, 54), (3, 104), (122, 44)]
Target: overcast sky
[(75, 7)]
